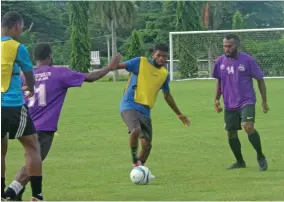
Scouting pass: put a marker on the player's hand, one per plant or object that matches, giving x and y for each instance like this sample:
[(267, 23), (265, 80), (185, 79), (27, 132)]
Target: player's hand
[(265, 107), (218, 107), (113, 65), (28, 92), (184, 119)]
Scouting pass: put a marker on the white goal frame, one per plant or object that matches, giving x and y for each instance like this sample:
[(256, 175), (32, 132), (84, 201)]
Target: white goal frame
[(171, 60)]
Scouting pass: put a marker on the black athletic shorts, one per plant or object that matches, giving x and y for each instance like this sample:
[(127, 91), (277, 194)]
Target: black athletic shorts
[(16, 122), (235, 118)]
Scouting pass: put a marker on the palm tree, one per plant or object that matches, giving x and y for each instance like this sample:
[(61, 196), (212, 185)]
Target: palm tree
[(113, 14)]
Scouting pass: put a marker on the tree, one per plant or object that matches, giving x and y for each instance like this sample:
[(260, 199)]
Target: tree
[(28, 38), (184, 22), (80, 37), (136, 48), (114, 14), (238, 21), (261, 14)]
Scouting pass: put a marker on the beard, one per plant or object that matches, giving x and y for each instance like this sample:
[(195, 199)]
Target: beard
[(233, 54), (156, 64)]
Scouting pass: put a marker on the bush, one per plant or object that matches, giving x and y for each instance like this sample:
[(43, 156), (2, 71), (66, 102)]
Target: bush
[(268, 54)]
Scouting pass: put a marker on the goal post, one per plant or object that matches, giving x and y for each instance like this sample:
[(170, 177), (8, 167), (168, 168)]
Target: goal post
[(193, 53)]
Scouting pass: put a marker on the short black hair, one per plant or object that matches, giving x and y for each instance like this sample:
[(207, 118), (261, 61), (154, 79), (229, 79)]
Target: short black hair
[(42, 51), (233, 36), (10, 19), (161, 47)]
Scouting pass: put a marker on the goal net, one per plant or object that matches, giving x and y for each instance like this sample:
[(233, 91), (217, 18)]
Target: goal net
[(193, 53)]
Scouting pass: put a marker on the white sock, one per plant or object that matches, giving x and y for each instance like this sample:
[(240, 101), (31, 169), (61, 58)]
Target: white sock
[(16, 186)]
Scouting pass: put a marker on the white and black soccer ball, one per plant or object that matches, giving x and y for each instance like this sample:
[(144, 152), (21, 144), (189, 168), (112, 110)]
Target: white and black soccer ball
[(140, 175)]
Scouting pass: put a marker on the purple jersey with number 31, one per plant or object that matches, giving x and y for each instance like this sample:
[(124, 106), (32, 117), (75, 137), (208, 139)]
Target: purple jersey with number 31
[(51, 85), (236, 80)]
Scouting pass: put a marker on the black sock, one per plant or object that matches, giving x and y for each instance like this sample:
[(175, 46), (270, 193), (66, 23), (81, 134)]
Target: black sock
[(3, 187), (255, 141), (134, 154), (36, 185), (236, 149)]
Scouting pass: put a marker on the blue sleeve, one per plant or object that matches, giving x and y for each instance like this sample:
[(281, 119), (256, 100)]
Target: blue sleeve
[(23, 59), (133, 65), (166, 85)]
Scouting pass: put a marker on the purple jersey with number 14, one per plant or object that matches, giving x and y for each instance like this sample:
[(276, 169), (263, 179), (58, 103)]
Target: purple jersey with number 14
[(236, 80), (51, 85)]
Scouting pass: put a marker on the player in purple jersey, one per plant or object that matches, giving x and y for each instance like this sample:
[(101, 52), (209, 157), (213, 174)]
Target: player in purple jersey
[(234, 72), (51, 86)]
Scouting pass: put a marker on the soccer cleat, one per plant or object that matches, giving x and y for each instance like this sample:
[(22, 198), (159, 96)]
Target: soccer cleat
[(20, 195), (152, 177), (36, 199), (262, 163), (237, 165), (138, 163)]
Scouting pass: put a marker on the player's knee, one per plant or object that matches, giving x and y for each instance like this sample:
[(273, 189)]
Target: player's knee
[(136, 131), (232, 134), (31, 144), (248, 127)]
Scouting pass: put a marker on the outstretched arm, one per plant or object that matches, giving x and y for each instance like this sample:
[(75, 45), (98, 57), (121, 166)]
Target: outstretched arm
[(96, 75), (171, 102), (131, 65)]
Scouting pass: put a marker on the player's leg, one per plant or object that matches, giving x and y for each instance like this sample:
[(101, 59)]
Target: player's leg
[(4, 148), (45, 140), (146, 147), (5, 125), (232, 125), (145, 138), (22, 128), (248, 119), (131, 119)]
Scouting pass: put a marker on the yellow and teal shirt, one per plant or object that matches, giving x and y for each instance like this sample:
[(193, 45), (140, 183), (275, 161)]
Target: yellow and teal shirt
[(14, 58), (143, 85)]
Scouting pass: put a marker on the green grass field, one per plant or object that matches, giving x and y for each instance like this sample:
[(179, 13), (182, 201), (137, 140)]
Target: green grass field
[(90, 159)]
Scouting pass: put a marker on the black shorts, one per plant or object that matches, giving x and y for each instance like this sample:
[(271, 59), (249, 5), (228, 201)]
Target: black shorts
[(235, 118), (134, 119), (45, 139), (16, 122)]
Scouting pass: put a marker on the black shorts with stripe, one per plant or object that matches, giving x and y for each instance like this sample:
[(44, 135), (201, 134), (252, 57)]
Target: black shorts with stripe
[(16, 122)]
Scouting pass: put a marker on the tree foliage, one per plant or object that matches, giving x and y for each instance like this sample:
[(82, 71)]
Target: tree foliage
[(184, 22), (238, 21), (153, 20), (80, 36), (136, 47), (268, 54)]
